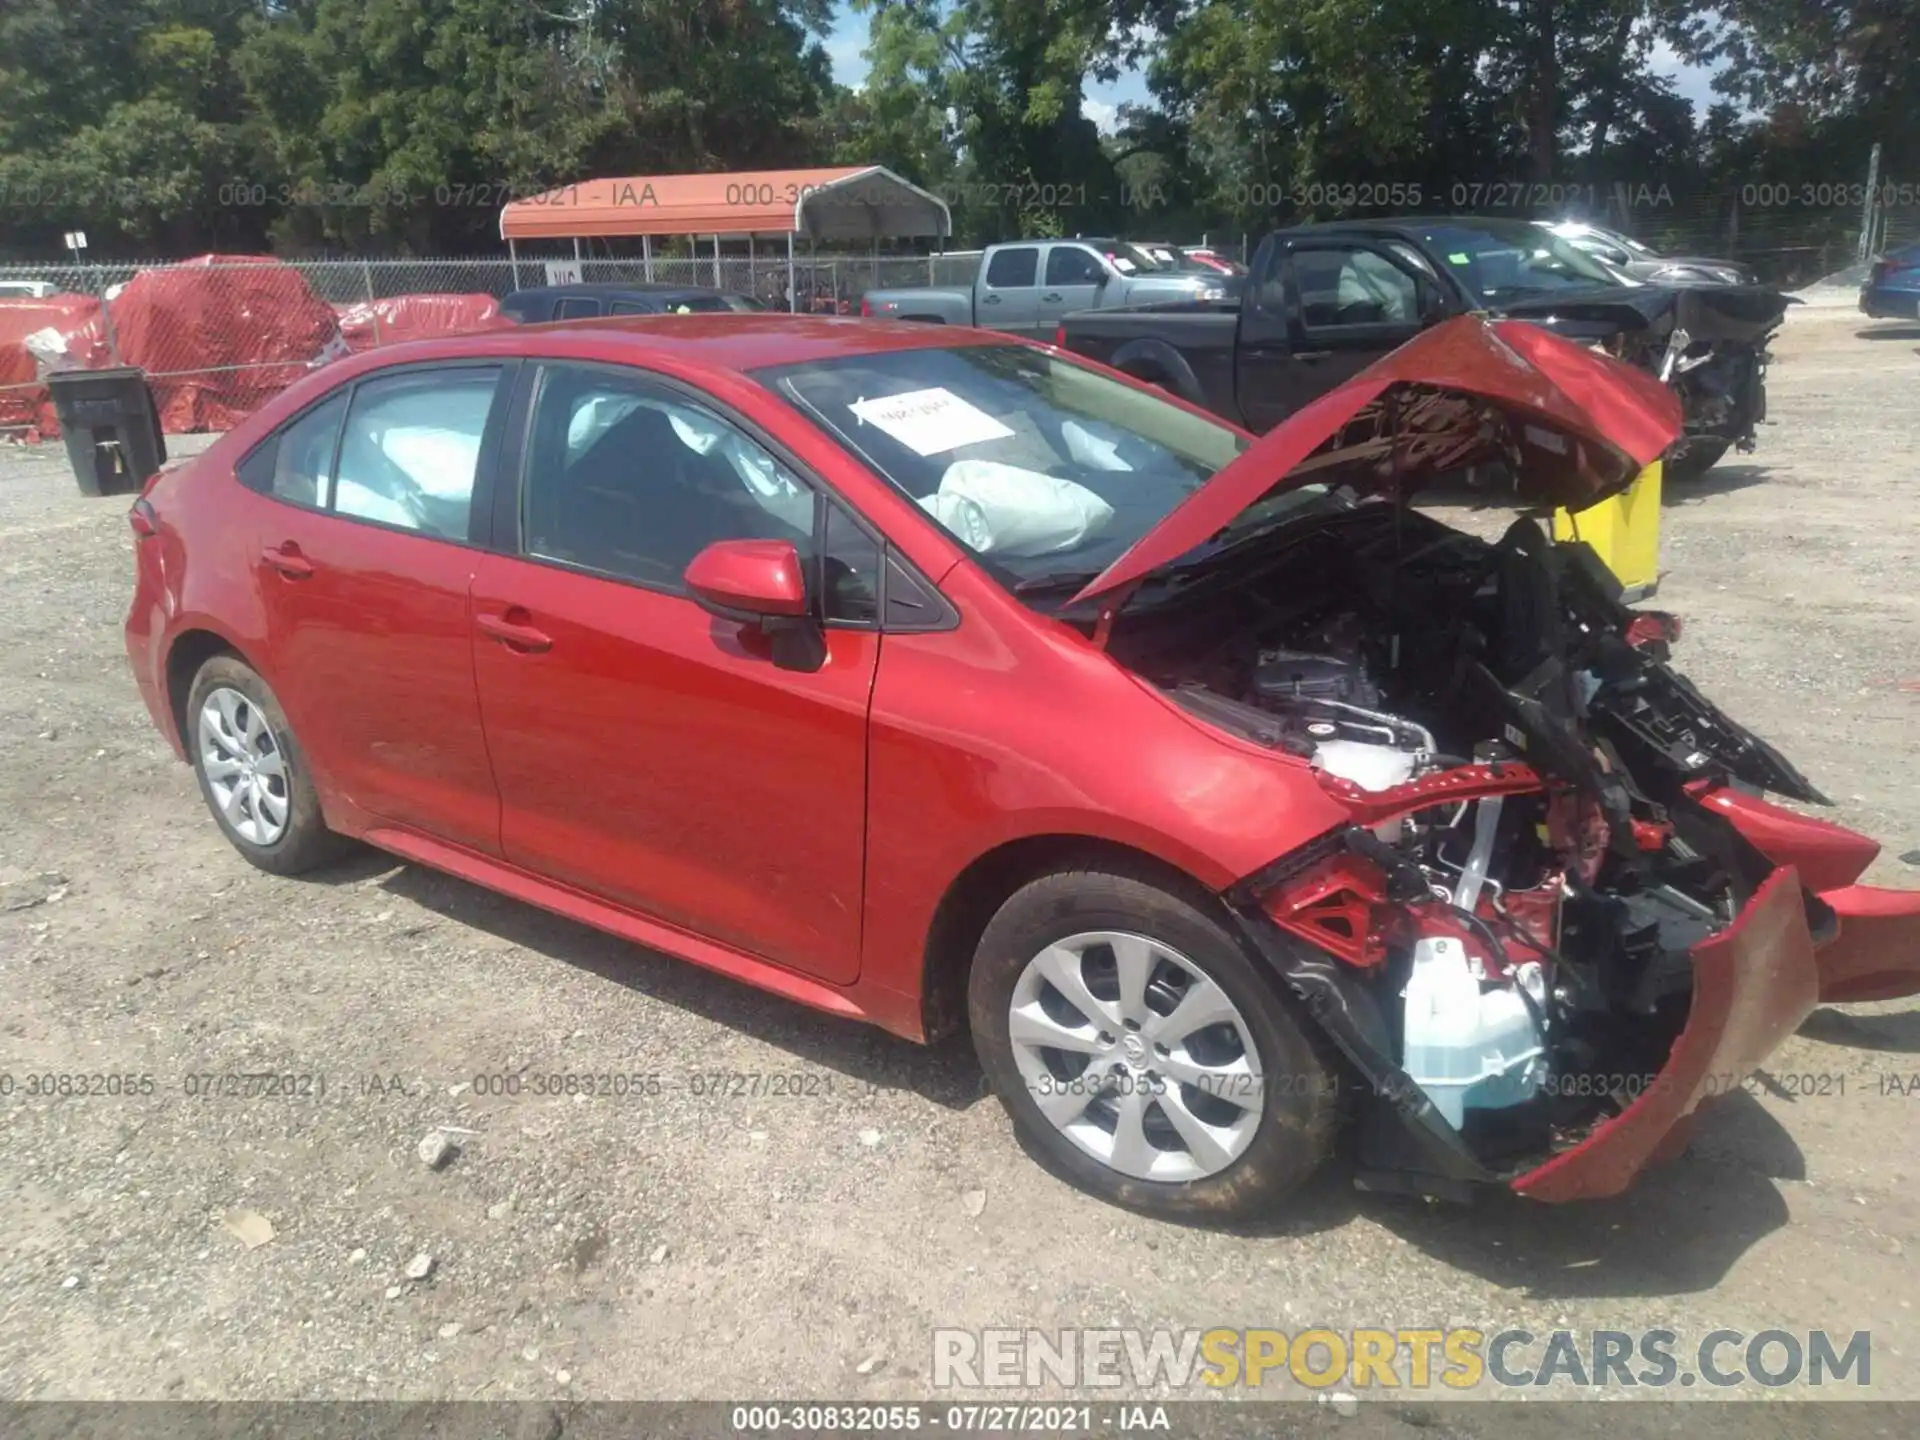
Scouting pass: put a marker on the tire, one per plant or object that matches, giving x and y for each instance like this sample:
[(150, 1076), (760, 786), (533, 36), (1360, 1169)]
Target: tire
[(1693, 458), (1260, 1160), (278, 825)]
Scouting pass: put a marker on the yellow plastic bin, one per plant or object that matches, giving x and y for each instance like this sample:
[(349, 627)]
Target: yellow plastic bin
[(1624, 532)]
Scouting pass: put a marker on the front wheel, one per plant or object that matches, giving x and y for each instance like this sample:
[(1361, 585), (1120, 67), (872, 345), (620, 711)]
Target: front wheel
[(1142, 1052), (1692, 458)]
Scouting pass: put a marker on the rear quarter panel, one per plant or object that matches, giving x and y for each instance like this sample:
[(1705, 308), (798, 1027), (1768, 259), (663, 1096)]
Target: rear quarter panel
[(196, 574)]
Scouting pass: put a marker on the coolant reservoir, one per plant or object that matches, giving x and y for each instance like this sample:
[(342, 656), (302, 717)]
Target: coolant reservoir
[(1371, 767), (1466, 1045)]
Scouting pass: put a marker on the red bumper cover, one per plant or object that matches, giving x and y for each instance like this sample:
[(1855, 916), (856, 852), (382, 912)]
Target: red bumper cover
[(1753, 984), (1876, 954)]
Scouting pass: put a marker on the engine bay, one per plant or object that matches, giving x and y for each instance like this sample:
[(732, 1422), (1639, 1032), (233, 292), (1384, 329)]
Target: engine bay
[(1529, 953)]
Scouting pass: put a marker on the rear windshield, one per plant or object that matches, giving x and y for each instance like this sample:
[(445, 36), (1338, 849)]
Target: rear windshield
[(1043, 468)]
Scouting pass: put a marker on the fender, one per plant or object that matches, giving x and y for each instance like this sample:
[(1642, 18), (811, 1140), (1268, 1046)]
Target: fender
[(1152, 359), (160, 643)]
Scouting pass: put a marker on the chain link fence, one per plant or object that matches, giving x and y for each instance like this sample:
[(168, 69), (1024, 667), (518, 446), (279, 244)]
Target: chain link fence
[(216, 340)]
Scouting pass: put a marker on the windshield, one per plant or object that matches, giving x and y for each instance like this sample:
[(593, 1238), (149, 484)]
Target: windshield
[(1044, 469), (1505, 259), (1208, 260), (1128, 258), (1626, 243)]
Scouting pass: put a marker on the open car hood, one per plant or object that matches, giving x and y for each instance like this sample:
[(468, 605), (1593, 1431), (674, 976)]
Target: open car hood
[(1707, 310), (1574, 427)]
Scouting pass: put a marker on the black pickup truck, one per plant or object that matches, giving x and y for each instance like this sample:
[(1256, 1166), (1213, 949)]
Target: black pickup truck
[(1322, 302)]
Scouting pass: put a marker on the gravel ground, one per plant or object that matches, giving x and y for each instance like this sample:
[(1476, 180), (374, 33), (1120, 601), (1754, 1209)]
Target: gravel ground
[(678, 1244)]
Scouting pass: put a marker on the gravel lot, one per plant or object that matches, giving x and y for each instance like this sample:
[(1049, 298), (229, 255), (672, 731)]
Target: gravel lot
[(686, 1244)]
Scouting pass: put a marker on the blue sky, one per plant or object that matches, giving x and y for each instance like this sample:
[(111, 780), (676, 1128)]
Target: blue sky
[(849, 38)]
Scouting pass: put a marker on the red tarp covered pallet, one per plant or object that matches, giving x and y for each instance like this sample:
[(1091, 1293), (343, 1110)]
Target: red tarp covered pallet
[(368, 323), (218, 336)]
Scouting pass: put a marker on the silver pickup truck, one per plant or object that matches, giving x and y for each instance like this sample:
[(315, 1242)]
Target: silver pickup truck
[(1027, 287)]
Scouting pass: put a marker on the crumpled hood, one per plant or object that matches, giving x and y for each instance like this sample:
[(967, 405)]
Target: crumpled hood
[(1573, 425), (1706, 309)]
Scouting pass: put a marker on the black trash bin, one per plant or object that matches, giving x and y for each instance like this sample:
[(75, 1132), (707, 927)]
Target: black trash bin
[(111, 425)]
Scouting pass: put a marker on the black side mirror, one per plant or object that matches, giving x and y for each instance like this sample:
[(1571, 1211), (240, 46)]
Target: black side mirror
[(1433, 306)]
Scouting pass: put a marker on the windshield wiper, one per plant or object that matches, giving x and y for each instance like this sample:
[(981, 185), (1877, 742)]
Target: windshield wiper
[(1059, 580)]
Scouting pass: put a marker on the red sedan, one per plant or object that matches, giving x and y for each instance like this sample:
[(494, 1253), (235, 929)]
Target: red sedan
[(930, 677)]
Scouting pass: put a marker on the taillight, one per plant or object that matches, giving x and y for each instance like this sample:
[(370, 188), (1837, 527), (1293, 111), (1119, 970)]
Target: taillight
[(865, 308), (1060, 336), (144, 520)]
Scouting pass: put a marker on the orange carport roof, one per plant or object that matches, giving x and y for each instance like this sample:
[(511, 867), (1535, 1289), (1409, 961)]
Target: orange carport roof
[(844, 202)]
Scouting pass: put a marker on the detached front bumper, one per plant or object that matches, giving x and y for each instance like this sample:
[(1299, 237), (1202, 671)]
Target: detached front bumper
[(1753, 984), (1876, 953)]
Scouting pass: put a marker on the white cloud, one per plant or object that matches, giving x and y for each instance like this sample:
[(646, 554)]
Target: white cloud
[(844, 44), (1105, 117), (1693, 82)]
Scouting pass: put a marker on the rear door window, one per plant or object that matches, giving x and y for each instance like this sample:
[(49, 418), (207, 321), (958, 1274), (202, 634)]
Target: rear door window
[(411, 448), (576, 307), (1014, 269)]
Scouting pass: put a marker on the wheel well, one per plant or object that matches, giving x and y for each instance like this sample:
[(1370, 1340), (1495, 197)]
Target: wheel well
[(979, 891), (190, 651), (1151, 371)]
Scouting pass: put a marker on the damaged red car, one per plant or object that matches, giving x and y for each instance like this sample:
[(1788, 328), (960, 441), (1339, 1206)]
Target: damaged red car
[(937, 679)]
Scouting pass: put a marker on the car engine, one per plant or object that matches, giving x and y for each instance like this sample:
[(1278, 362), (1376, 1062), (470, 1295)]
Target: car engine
[(1537, 959)]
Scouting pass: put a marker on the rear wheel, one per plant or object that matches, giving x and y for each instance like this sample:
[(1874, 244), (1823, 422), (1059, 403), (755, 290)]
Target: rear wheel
[(1692, 458), (1142, 1053), (252, 772)]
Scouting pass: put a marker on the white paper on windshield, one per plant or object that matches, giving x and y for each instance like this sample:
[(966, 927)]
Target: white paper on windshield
[(930, 422)]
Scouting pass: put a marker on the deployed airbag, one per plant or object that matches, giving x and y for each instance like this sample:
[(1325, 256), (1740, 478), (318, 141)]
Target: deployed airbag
[(999, 509)]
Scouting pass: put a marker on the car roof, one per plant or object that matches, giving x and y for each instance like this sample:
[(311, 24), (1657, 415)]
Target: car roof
[(1403, 224), (736, 341), (613, 289)]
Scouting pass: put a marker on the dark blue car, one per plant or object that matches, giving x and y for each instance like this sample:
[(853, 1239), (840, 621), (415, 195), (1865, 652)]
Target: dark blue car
[(1892, 289)]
